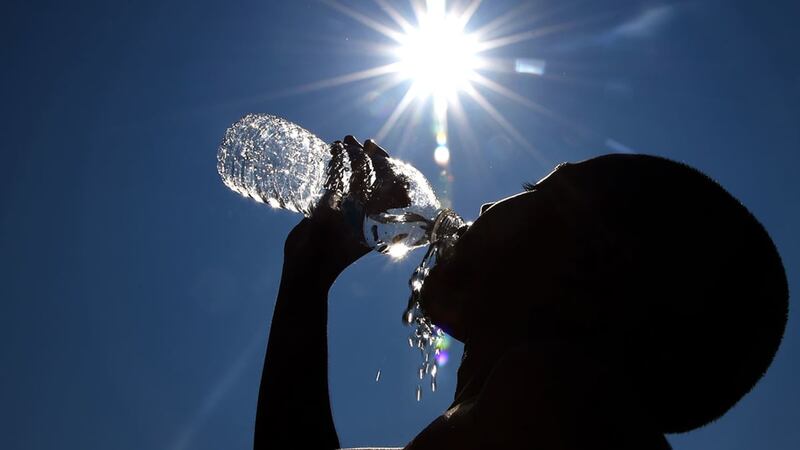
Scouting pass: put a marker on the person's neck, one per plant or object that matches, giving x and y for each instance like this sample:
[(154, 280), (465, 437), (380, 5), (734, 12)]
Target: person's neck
[(482, 352), (480, 356)]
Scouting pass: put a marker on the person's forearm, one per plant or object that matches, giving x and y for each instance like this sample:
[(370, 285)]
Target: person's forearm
[(293, 402)]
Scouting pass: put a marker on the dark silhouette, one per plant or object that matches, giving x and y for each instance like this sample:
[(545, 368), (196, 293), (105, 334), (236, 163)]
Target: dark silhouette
[(644, 299)]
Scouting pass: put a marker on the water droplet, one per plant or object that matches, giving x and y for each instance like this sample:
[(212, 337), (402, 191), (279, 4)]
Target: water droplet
[(427, 337)]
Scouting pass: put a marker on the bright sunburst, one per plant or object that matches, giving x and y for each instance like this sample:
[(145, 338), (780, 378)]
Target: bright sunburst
[(443, 58), (437, 55)]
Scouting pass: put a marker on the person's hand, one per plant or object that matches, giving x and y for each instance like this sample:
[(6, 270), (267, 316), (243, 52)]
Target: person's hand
[(323, 245)]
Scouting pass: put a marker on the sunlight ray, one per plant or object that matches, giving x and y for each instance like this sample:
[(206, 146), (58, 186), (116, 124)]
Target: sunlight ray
[(502, 20), (366, 21), (468, 12), (525, 36), (374, 47), (381, 88), (506, 125), (440, 60), (344, 79), (499, 65), (509, 94), (228, 380), (398, 111), (517, 19), (411, 126), (419, 8), (464, 128), (395, 15), (352, 77), (539, 32)]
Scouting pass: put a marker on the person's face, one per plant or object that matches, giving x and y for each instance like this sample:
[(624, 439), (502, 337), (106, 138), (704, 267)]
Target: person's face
[(483, 276)]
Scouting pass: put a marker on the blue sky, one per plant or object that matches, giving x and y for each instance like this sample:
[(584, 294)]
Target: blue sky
[(137, 290)]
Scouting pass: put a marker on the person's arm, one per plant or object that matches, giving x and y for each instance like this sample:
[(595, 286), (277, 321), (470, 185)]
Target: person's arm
[(293, 402)]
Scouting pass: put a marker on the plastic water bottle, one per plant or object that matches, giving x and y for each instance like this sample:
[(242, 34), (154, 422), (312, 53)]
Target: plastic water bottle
[(274, 161), (277, 162)]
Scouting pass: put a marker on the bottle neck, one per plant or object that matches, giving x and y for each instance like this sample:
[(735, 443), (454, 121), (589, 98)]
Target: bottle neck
[(447, 225)]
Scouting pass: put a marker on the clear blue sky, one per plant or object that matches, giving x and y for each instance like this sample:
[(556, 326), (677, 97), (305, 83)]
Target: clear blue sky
[(136, 290)]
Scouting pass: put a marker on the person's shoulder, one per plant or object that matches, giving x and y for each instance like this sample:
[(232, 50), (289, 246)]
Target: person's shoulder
[(455, 428)]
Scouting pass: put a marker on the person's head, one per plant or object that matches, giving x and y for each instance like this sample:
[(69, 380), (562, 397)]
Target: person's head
[(644, 259)]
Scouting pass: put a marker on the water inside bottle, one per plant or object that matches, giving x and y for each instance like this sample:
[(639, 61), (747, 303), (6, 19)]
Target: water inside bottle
[(277, 162), (396, 231)]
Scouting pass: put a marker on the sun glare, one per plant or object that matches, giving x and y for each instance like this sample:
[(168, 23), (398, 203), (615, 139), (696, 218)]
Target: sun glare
[(444, 57), (438, 56), (398, 251)]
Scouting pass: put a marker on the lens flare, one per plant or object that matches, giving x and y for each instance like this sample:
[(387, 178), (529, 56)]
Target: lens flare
[(442, 357), (441, 155), (441, 354)]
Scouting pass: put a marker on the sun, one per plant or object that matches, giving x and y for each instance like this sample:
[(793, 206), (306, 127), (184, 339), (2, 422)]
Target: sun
[(438, 56), (444, 57)]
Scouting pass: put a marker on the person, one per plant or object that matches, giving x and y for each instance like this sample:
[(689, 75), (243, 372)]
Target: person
[(640, 297)]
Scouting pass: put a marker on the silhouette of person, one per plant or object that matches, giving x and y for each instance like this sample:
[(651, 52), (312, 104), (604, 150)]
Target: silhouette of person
[(616, 300)]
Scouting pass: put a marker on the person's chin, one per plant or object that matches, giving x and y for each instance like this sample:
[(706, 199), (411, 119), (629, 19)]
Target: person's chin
[(443, 315)]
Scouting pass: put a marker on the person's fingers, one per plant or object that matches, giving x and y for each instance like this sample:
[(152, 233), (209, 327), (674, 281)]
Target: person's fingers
[(379, 158), (391, 187), (372, 149), (351, 140), (384, 175), (363, 174)]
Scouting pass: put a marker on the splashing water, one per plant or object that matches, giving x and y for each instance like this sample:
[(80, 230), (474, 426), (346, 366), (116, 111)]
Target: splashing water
[(426, 336)]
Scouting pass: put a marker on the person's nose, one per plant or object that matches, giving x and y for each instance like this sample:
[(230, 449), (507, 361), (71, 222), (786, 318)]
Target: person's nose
[(486, 206)]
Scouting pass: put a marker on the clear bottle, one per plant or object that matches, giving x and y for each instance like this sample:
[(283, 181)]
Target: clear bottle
[(277, 162), (274, 161)]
